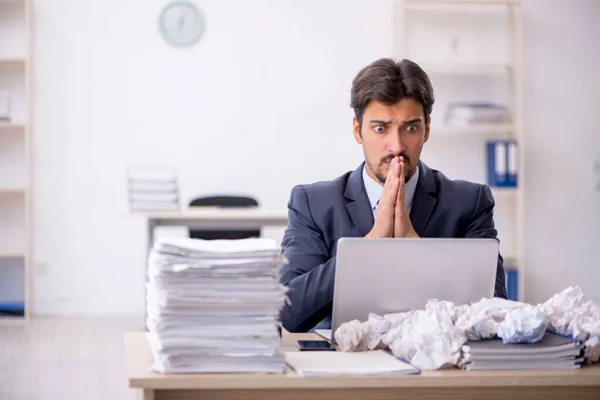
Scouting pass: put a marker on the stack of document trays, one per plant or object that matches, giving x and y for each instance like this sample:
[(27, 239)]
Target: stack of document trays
[(552, 352), (213, 306), (152, 189)]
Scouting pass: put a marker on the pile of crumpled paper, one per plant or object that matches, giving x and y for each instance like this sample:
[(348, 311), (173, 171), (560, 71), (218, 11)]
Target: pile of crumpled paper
[(432, 338)]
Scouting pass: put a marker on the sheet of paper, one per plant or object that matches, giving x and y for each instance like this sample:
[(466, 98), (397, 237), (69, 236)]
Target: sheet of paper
[(318, 363)]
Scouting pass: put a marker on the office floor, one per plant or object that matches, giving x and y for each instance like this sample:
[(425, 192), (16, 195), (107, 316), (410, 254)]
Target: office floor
[(69, 358)]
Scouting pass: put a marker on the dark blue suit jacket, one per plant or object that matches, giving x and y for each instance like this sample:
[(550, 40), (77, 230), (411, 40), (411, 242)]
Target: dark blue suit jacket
[(323, 212)]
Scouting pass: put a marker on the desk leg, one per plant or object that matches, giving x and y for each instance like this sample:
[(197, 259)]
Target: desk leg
[(144, 394)]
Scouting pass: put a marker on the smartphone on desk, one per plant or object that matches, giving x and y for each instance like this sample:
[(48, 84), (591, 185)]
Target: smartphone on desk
[(315, 345)]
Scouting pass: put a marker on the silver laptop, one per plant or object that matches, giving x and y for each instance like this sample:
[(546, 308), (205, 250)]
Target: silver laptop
[(394, 275)]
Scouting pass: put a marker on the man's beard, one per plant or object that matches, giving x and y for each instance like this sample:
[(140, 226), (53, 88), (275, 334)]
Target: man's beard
[(387, 160)]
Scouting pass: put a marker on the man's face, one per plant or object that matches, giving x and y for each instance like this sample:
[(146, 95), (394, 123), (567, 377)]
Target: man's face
[(390, 131)]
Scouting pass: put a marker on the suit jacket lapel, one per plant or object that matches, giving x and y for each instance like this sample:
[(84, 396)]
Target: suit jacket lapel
[(425, 199), (358, 204)]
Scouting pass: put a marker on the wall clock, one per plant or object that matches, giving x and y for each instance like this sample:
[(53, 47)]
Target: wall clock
[(181, 23)]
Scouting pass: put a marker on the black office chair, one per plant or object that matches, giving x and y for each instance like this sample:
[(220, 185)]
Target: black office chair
[(224, 201)]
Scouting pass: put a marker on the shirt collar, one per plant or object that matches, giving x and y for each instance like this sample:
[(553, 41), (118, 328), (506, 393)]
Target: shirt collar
[(374, 188)]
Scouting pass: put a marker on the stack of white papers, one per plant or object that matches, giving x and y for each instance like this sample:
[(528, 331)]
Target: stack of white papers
[(213, 306)]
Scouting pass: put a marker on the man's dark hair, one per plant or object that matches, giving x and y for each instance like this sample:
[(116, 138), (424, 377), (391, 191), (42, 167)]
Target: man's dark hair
[(388, 82)]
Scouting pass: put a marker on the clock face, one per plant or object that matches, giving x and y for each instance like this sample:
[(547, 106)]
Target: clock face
[(181, 23)]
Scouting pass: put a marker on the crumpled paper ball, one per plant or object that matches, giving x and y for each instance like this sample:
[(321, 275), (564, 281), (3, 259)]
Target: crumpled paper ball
[(352, 336), (363, 336), (569, 313), (592, 349), (427, 338), (379, 327), (482, 319), (397, 318), (523, 325)]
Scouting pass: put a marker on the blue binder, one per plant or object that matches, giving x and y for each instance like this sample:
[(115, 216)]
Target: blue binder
[(502, 168), (12, 309), (512, 284)]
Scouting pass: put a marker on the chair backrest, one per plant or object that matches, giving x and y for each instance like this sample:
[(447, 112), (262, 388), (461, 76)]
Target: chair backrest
[(224, 201)]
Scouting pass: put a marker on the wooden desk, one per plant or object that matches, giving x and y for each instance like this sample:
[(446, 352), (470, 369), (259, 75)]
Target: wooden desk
[(449, 384), (213, 218), (218, 218)]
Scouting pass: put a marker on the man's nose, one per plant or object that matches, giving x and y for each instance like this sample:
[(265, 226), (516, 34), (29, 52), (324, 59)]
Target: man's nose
[(396, 143)]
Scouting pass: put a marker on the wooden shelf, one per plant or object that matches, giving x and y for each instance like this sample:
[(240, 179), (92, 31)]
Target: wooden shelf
[(410, 3), (11, 320), (12, 1), (12, 190), (12, 60), (11, 254), (495, 9), (504, 192), (467, 69), (510, 259), (471, 129), (11, 125)]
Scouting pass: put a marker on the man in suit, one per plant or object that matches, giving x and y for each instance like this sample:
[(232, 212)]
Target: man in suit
[(391, 194)]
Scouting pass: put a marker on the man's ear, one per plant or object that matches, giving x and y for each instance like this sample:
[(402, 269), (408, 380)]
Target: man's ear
[(427, 129), (356, 130)]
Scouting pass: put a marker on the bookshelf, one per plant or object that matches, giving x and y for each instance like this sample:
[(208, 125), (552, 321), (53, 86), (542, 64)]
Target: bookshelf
[(15, 161), (472, 51)]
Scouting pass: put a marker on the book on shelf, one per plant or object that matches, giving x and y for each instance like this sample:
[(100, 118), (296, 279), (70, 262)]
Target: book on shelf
[(512, 283), (502, 167), (12, 309), (463, 114)]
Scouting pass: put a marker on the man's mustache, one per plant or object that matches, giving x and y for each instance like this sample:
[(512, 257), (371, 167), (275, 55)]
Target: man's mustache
[(391, 157)]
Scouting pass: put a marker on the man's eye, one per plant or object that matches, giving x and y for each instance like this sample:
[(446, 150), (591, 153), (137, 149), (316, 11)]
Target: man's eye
[(412, 128), (379, 128)]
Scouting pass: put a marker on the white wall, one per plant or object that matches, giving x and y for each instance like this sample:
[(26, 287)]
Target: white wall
[(263, 95), (562, 60)]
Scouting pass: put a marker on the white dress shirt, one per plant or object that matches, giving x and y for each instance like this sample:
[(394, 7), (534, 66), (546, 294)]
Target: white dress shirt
[(375, 188)]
